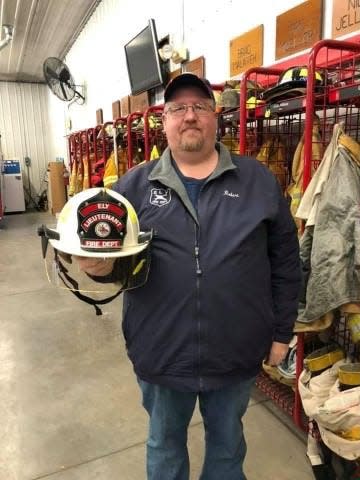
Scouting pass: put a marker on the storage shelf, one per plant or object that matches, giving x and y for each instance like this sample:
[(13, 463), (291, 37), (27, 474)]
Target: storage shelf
[(284, 106), (345, 94), (280, 394)]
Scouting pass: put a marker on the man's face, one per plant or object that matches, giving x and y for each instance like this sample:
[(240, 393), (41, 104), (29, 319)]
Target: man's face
[(190, 130)]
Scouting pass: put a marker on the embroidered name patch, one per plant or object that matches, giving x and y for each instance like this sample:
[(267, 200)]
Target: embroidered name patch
[(231, 194)]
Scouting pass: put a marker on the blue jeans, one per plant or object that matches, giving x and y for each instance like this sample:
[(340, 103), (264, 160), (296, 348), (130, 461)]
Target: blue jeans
[(170, 413)]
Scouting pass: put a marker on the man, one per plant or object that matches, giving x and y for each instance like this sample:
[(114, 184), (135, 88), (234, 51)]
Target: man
[(222, 289)]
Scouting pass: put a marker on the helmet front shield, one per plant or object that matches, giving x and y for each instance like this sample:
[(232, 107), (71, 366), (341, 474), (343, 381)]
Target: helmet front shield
[(99, 224)]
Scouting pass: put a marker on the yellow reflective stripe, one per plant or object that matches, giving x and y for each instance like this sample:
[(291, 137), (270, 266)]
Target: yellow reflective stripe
[(287, 75), (352, 433), (323, 361), (132, 215), (349, 374), (110, 179), (65, 213), (302, 73), (138, 267)]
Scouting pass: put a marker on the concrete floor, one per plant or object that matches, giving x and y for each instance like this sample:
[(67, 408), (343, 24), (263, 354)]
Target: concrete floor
[(70, 406)]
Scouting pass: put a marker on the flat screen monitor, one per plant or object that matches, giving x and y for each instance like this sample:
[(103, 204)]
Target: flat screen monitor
[(143, 61)]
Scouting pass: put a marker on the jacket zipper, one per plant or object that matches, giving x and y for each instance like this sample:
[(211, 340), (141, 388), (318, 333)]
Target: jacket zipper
[(198, 274)]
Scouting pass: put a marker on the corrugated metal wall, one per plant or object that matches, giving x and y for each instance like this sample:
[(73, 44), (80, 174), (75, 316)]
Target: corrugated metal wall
[(25, 129)]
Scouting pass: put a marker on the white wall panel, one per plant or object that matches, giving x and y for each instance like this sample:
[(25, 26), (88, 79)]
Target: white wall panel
[(209, 29), (32, 119), (25, 129), (206, 28), (98, 59)]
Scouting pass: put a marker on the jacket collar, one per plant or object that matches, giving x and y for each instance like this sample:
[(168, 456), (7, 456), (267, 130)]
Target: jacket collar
[(351, 146), (165, 173)]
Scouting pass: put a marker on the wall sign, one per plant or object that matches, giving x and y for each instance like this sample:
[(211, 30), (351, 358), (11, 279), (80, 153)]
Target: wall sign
[(246, 51), (196, 66), (298, 28), (125, 106), (345, 17), (116, 109), (140, 102), (174, 74), (99, 116)]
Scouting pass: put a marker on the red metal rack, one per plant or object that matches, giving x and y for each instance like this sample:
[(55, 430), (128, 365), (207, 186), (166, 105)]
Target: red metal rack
[(338, 59), (153, 135), (338, 100), (77, 160), (84, 159), (134, 136), (266, 77), (270, 132), (103, 146), (89, 151), (71, 149), (121, 144), (341, 93)]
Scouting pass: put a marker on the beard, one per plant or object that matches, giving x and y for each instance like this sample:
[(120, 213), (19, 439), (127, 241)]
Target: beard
[(191, 143)]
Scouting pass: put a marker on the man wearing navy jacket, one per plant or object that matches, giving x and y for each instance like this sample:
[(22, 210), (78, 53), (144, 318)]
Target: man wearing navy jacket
[(222, 291)]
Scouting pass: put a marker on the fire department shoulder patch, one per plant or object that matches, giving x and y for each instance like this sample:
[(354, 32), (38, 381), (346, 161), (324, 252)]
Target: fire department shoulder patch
[(160, 196)]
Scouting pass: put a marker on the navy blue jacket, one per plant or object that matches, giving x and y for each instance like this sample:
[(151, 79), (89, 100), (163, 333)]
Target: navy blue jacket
[(224, 280)]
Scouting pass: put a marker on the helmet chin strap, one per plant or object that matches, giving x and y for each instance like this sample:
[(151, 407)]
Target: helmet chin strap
[(74, 288)]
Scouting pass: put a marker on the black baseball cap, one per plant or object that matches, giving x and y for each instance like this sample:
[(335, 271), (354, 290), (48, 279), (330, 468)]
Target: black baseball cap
[(188, 80)]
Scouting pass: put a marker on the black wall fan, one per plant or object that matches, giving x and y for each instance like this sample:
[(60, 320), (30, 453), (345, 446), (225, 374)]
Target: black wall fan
[(60, 81)]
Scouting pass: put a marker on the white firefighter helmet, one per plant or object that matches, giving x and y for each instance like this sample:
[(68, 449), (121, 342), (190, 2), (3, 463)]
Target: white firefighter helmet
[(96, 222)]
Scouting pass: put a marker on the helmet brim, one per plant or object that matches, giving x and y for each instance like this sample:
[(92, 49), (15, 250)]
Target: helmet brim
[(80, 252)]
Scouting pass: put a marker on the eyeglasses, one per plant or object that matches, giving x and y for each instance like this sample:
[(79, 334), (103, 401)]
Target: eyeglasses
[(180, 109)]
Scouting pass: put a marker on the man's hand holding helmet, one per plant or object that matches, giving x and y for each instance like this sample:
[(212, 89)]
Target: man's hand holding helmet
[(96, 267)]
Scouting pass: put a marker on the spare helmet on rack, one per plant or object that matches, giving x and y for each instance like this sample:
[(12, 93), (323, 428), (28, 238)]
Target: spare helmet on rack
[(292, 83), (254, 92), (230, 96), (98, 223)]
